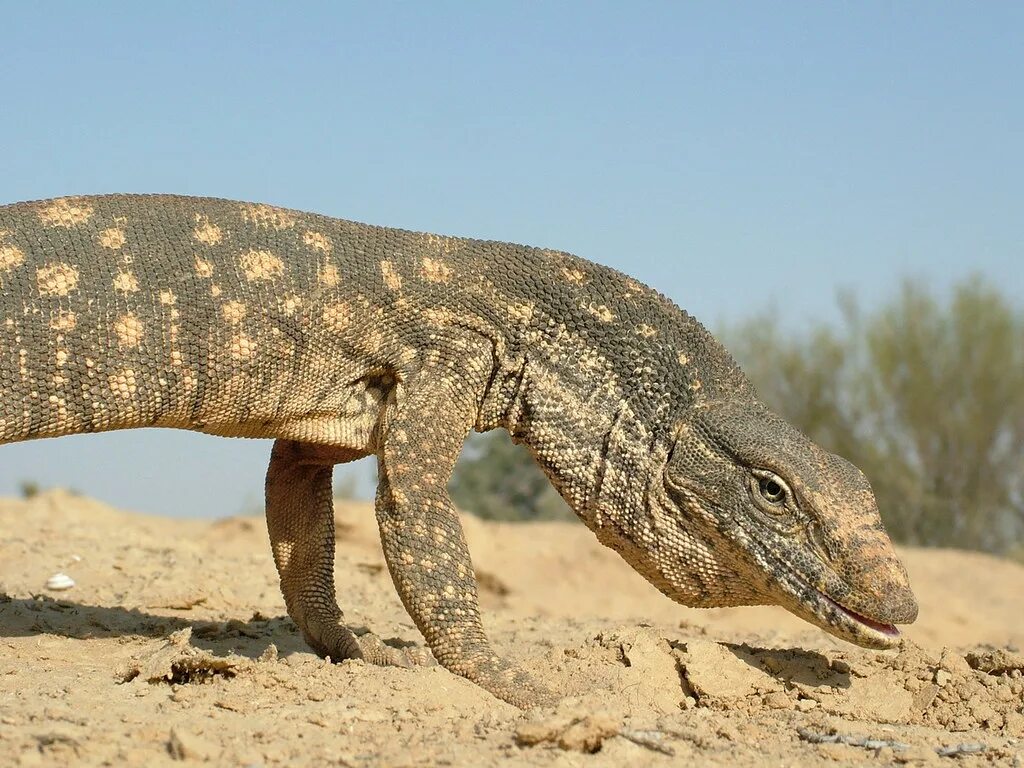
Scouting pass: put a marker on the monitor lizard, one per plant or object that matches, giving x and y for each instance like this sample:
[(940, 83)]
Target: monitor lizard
[(341, 340)]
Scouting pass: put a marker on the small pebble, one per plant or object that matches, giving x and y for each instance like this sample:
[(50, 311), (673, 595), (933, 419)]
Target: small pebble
[(59, 582)]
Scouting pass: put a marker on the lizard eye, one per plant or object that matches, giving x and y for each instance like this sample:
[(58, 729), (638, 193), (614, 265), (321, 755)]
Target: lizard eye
[(771, 490), (773, 497)]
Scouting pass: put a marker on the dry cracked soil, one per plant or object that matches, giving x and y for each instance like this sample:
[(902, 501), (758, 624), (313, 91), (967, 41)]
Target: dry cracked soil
[(173, 646)]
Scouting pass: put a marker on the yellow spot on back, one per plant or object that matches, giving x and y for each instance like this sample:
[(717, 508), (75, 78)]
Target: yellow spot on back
[(206, 232), (65, 212), (63, 321), (268, 217), (441, 243), (318, 241), (683, 359), (436, 271), (167, 298), (291, 303), (203, 267), (123, 383), (329, 276), (523, 312), (242, 347), (337, 317), (63, 414), (126, 282), (646, 331), (57, 279), (233, 312), (112, 238), (601, 312), (214, 290), (129, 330), (392, 279), (573, 275), (10, 257), (261, 265)]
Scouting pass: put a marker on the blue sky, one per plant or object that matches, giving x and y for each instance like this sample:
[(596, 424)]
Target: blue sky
[(735, 156)]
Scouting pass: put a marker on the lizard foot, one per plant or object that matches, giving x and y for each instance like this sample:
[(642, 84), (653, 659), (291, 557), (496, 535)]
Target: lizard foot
[(340, 643), (507, 682), (377, 651)]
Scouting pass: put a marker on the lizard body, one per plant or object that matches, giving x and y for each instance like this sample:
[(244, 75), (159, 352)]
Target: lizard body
[(342, 340)]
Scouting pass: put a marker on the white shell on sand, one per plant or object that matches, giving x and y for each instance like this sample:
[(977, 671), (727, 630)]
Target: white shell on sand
[(59, 581)]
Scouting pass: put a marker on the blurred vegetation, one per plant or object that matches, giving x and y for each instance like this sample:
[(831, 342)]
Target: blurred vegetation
[(498, 480), (346, 485), (924, 393), (29, 489)]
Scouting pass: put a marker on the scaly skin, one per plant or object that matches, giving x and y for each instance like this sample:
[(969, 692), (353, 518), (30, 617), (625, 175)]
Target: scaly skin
[(342, 340)]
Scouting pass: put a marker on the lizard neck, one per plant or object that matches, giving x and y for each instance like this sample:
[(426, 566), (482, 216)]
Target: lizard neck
[(586, 437)]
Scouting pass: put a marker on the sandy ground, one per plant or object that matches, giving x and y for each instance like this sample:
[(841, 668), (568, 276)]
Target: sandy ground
[(173, 646)]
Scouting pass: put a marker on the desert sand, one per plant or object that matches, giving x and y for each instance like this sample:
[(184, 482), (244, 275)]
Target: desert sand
[(173, 645)]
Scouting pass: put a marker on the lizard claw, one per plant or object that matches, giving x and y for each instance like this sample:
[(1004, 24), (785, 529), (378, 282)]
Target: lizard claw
[(339, 642), (377, 651)]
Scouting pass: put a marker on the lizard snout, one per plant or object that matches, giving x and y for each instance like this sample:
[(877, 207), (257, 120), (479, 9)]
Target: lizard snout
[(882, 592), (897, 605)]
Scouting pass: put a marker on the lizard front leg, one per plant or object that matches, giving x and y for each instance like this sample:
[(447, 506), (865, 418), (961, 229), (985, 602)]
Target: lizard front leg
[(300, 519), (423, 542)]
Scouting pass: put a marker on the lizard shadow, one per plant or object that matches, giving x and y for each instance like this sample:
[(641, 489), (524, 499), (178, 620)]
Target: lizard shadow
[(794, 667), (44, 615)]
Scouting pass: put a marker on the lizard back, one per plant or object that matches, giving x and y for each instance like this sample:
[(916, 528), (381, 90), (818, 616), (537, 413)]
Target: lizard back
[(244, 319)]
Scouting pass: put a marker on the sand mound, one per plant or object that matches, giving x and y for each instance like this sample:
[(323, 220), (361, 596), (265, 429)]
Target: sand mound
[(173, 645)]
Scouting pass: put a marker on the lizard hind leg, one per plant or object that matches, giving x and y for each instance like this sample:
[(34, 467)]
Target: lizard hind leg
[(300, 519)]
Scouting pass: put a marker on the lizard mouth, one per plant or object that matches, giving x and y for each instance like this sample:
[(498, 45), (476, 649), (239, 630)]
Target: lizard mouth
[(812, 604), (888, 630)]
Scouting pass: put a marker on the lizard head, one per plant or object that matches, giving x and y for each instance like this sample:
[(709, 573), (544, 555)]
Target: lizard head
[(793, 524)]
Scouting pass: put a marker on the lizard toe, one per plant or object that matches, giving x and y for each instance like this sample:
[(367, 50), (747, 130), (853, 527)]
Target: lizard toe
[(377, 651)]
